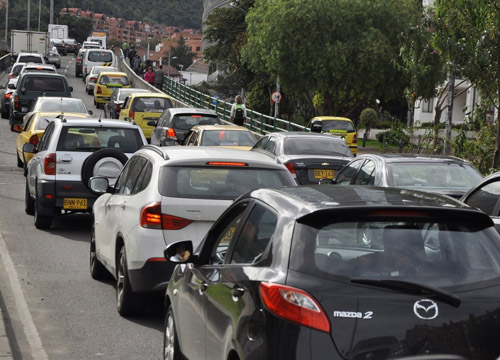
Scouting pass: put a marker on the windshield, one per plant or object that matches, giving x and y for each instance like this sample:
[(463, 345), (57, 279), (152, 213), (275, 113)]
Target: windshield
[(88, 139), (98, 56), (151, 104), (314, 145), (337, 125), (58, 105), (218, 183), (432, 175), (436, 252), (227, 138)]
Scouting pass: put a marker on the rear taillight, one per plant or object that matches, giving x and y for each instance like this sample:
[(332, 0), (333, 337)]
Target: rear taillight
[(291, 167), (131, 114), (118, 108), (294, 305), (34, 140), (93, 79), (7, 96), (152, 218), (171, 133), (49, 165), (11, 76), (355, 139), (99, 91), (16, 102)]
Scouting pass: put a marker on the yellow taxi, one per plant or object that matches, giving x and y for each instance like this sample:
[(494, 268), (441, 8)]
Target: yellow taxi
[(106, 83), (32, 129), (144, 109), (229, 136), (338, 126)]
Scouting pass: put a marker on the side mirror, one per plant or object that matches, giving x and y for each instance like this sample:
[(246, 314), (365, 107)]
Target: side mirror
[(71, 88), (179, 252), (17, 128), (91, 112), (98, 184), (11, 86), (29, 148)]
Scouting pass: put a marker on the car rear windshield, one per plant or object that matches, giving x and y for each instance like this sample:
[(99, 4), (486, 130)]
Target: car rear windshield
[(44, 84), (61, 106), (114, 80), (338, 125), (225, 183), (151, 104), (315, 146), (433, 175), (85, 138), (38, 69), (227, 138), (97, 56), (186, 122), (31, 59), (439, 252)]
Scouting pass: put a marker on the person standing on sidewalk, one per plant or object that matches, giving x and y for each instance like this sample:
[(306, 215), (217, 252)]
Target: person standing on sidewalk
[(125, 49), (238, 111), (149, 76), (159, 76)]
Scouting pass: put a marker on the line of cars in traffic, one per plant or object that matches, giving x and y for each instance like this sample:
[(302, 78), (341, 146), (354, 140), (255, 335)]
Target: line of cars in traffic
[(253, 266)]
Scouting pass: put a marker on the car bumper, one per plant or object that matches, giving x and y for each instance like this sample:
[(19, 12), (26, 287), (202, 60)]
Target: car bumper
[(102, 99), (52, 194)]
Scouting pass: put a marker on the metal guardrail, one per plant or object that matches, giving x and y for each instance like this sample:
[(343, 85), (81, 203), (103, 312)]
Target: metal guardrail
[(5, 62)]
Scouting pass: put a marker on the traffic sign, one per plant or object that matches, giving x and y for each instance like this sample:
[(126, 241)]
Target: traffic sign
[(276, 97)]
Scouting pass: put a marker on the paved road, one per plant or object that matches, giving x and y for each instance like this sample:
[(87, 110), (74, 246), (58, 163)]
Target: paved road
[(54, 310)]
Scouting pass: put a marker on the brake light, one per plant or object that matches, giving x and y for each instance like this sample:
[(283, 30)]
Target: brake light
[(11, 76), (8, 95), (291, 167), (16, 102), (118, 107), (99, 91), (93, 79), (49, 165), (152, 218), (355, 139), (294, 305), (131, 114), (171, 222), (34, 140), (226, 163), (406, 213), (196, 116), (171, 133)]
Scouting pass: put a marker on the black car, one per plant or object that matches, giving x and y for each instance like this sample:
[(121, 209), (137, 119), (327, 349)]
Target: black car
[(5, 94), (72, 46), (113, 107), (447, 175), (310, 157), (284, 274), (60, 45)]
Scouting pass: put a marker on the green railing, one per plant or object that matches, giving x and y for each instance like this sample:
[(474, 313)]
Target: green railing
[(257, 122)]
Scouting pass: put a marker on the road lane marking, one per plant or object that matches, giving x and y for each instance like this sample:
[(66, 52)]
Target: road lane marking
[(23, 311)]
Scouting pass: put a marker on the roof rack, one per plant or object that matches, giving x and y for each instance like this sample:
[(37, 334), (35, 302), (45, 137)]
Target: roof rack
[(157, 150)]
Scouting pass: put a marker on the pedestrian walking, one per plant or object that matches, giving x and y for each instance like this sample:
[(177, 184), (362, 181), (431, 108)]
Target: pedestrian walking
[(238, 111), (131, 54), (149, 76), (125, 48), (135, 62), (159, 77)]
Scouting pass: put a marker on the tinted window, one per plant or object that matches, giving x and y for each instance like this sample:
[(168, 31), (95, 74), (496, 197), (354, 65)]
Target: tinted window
[(337, 125), (486, 198), (366, 175), (31, 59), (439, 252), (144, 178), (44, 141), (45, 84), (85, 138), (261, 143), (227, 138), (151, 104), (271, 145), (312, 145), (123, 177), (132, 176), (17, 69), (347, 173), (217, 182), (98, 56), (186, 122)]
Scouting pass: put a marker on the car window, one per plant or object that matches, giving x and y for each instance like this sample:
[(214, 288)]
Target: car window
[(45, 84), (261, 144), (30, 59), (100, 56), (151, 104), (45, 140), (90, 138), (366, 175), (126, 102), (114, 80), (225, 232), (254, 236), (61, 106), (132, 176), (215, 182), (186, 122), (144, 178), (28, 122), (123, 177), (486, 198), (162, 121), (347, 173), (41, 123), (314, 145), (339, 125), (192, 140), (271, 145), (227, 138)]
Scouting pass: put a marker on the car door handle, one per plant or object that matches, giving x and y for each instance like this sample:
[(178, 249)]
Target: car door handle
[(67, 158), (237, 292)]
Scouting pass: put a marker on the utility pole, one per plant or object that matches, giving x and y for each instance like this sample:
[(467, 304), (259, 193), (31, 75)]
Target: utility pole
[(51, 17), (29, 15), (6, 25), (449, 112), (39, 13)]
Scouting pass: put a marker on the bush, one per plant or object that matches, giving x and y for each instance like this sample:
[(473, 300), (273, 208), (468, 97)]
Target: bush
[(395, 136), (368, 119)]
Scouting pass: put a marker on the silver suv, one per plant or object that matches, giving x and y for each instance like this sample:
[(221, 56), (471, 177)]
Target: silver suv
[(70, 152)]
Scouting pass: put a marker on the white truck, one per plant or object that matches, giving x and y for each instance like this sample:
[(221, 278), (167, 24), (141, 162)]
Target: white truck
[(29, 41), (57, 31)]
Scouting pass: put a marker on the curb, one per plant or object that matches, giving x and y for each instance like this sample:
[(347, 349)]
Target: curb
[(5, 350)]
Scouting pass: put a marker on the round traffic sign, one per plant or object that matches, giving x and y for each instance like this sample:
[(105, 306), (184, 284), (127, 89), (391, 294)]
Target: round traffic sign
[(276, 97)]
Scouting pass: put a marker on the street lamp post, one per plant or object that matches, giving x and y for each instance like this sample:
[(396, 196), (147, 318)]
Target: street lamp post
[(180, 78), (6, 24), (169, 58)]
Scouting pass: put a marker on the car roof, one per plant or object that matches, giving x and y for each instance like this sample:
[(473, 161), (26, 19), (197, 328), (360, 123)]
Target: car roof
[(203, 154), (36, 65), (149, 94), (104, 73), (29, 54), (133, 90), (59, 99), (303, 200), (67, 115), (176, 111), (221, 127), (292, 134), (394, 158), (328, 118), (96, 122), (46, 74)]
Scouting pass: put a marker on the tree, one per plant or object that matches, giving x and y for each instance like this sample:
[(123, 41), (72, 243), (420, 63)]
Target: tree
[(467, 32), (368, 119), (183, 53), (342, 53), (79, 28)]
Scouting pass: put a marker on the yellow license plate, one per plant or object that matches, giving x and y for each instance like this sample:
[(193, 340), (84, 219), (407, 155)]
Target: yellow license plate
[(323, 174), (74, 203)]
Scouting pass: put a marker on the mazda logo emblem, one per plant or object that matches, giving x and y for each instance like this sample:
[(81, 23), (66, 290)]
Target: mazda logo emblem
[(325, 164), (426, 309)]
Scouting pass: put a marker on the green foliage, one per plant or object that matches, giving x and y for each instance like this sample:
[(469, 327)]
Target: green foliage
[(79, 28), (183, 54), (368, 118), (395, 136)]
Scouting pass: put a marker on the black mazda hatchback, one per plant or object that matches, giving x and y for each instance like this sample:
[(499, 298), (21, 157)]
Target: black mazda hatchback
[(337, 272)]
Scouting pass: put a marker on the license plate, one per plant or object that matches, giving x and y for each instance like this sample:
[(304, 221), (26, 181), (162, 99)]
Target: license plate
[(74, 203), (323, 174)]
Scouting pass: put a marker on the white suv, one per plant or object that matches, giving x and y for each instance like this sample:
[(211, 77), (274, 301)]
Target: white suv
[(70, 152), (164, 195)]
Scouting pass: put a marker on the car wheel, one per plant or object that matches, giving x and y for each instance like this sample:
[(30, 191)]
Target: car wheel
[(29, 203), (171, 350), (127, 302), (97, 269), (41, 221), (20, 163), (108, 159)]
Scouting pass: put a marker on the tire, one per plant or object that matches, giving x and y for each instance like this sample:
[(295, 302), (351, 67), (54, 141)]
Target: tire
[(29, 203), (41, 221), (127, 302), (97, 269), (171, 350), (20, 163), (90, 163)]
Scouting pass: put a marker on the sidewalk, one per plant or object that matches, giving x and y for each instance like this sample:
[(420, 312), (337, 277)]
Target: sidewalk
[(5, 350)]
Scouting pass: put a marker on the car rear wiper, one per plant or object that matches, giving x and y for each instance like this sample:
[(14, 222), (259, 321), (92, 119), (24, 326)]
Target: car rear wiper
[(413, 287)]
